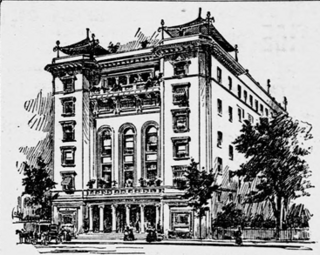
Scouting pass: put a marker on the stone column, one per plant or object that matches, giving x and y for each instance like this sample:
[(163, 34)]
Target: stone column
[(128, 215), (101, 214), (90, 218), (142, 218), (114, 218)]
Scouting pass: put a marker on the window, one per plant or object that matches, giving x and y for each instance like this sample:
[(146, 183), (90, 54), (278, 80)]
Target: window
[(219, 139), (68, 130), (180, 120), (267, 112), (230, 152), (239, 91), (261, 109), (179, 179), (245, 94), (68, 180), (239, 183), (181, 67), (106, 143), (230, 197), (251, 100), (68, 84), (219, 106), (152, 140), (219, 164), (250, 118), (107, 175), (240, 114), (128, 156), (219, 196), (256, 105), (230, 82), (68, 156), (180, 147), (68, 106), (219, 75), (230, 114), (180, 94)]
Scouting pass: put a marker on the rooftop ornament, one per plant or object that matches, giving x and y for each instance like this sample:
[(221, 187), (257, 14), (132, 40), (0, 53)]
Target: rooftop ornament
[(268, 85), (85, 46)]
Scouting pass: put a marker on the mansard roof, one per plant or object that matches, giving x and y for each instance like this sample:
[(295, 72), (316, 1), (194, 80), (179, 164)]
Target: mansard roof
[(199, 26)]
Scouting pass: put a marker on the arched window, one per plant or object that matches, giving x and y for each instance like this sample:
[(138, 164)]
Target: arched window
[(128, 157), (151, 152), (105, 156)]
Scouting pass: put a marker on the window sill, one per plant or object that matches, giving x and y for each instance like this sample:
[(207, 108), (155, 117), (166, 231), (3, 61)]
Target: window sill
[(181, 158), (67, 141), (68, 165), (68, 114)]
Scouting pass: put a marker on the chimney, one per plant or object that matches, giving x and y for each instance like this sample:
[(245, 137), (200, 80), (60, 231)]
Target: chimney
[(285, 102), (199, 12), (88, 32)]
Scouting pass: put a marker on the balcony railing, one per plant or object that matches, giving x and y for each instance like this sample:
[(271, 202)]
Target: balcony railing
[(125, 191)]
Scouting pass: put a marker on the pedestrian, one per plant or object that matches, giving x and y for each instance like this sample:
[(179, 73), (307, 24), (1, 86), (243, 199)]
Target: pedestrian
[(238, 236), (137, 225)]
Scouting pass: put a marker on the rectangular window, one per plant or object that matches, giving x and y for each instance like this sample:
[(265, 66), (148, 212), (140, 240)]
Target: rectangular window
[(230, 82), (245, 95), (68, 84), (219, 75), (230, 152), (180, 118), (219, 139), (68, 156), (261, 109), (68, 182), (251, 100), (180, 147), (219, 106), (257, 105), (267, 112), (250, 118), (219, 196), (180, 94), (230, 114), (68, 106), (239, 91), (178, 174), (181, 68), (68, 133), (240, 114)]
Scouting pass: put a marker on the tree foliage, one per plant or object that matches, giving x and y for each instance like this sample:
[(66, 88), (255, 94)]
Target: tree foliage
[(38, 183), (230, 216), (199, 188), (274, 150)]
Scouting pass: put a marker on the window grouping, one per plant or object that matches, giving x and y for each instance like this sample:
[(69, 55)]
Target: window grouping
[(106, 158), (128, 156), (151, 153)]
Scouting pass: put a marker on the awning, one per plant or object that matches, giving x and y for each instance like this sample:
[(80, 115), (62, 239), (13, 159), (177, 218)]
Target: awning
[(66, 181)]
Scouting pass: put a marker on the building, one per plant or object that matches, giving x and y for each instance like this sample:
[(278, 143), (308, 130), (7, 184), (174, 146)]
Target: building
[(128, 119)]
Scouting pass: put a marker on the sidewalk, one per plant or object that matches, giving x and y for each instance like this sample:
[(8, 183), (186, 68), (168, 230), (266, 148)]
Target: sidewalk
[(98, 239)]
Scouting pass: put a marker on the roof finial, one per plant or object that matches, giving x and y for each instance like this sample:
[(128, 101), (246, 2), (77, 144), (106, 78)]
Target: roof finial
[(93, 36), (162, 29), (268, 85), (285, 102), (236, 51), (208, 15), (199, 12), (88, 32), (57, 48)]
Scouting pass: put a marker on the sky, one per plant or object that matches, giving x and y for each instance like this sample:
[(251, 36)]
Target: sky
[(276, 41)]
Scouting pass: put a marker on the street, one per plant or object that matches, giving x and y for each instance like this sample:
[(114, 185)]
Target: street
[(158, 248)]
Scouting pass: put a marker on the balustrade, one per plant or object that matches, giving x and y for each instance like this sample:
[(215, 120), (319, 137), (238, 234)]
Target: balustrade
[(124, 191)]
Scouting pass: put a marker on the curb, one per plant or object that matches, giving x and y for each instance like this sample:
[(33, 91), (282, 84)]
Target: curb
[(299, 246)]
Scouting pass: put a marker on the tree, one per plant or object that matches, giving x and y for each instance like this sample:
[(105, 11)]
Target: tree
[(230, 216), (199, 188), (274, 150), (38, 183)]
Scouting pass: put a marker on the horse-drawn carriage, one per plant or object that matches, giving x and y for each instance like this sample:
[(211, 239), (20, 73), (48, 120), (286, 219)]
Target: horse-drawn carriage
[(42, 232)]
